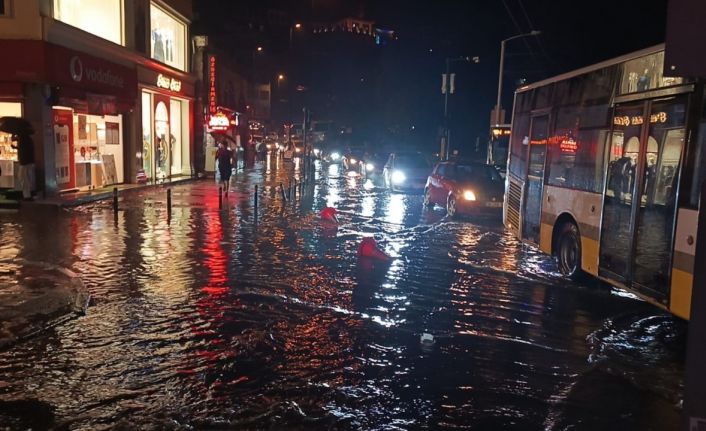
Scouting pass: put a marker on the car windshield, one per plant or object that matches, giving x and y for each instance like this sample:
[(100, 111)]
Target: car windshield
[(477, 173), (411, 161)]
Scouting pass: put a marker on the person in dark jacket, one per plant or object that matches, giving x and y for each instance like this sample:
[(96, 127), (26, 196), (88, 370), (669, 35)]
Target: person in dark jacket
[(25, 155), (224, 159)]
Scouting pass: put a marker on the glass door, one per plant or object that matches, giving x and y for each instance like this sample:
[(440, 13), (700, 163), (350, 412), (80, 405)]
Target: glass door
[(535, 178), (146, 153), (618, 203), (658, 194), (162, 154)]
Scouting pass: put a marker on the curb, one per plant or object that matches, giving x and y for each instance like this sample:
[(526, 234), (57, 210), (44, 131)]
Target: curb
[(59, 203)]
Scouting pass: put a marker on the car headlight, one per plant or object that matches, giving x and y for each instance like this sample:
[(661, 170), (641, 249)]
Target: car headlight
[(369, 167), (335, 156), (469, 195), (316, 151), (269, 146), (398, 177), (298, 150), (353, 161)]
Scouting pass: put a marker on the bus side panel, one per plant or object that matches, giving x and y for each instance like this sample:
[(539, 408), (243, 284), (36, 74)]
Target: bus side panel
[(683, 263), (586, 209)]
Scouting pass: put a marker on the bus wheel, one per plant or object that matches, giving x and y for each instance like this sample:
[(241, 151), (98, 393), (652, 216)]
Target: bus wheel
[(427, 198), (451, 207), (568, 252)]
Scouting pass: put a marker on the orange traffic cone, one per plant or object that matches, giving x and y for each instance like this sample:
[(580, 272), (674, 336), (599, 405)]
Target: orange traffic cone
[(369, 248), (329, 214)]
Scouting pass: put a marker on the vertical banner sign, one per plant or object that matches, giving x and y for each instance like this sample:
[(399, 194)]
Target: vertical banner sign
[(64, 148), (212, 88)]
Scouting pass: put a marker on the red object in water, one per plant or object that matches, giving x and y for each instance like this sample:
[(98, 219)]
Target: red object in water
[(329, 214), (369, 248)]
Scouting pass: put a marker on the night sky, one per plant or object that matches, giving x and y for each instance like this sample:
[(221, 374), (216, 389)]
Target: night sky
[(407, 74)]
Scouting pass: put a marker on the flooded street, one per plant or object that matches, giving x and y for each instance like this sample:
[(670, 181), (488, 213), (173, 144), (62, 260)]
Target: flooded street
[(215, 320)]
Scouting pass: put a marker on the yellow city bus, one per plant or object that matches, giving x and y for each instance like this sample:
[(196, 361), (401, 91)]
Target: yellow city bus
[(604, 173)]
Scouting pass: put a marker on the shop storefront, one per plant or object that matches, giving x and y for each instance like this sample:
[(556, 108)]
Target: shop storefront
[(87, 113), (8, 154), (166, 103), (77, 103)]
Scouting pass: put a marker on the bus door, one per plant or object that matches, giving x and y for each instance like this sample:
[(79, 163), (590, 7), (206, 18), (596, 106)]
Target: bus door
[(535, 178), (639, 205)]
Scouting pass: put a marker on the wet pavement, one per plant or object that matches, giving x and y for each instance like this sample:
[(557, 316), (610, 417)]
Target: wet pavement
[(209, 318)]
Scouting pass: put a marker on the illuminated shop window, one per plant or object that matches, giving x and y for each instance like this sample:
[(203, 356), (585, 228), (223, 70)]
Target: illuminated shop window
[(168, 36), (104, 18)]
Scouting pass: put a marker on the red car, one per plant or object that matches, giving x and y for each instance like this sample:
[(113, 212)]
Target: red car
[(469, 188)]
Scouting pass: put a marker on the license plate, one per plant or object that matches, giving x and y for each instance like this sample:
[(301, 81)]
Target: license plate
[(494, 204)]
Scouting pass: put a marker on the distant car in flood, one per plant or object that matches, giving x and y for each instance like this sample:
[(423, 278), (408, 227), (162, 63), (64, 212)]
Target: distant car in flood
[(465, 187), (354, 160), (406, 171)]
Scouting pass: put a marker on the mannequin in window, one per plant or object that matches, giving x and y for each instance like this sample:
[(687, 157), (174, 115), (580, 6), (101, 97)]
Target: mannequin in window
[(158, 46), (643, 83)]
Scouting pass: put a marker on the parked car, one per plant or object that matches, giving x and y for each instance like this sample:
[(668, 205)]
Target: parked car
[(406, 171), (465, 187)]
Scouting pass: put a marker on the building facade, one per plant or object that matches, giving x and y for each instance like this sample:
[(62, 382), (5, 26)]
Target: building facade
[(107, 87)]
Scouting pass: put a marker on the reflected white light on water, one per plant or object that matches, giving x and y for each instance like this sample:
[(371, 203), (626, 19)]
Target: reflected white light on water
[(368, 184), (333, 170), (367, 206), (396, 209)]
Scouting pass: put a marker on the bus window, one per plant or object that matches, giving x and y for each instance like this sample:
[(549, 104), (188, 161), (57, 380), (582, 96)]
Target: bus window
[(519, 141), (645, 73)]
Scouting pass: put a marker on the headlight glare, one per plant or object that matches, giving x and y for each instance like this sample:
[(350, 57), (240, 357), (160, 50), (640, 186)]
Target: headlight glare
[(369, 167), (398, 177), (469, 195)]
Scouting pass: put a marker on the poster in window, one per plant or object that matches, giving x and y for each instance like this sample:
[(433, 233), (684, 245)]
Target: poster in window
[(64, 148), (82, 133), (110, 173), (112, 133)]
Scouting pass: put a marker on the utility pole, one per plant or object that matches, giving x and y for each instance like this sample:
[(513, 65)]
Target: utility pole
[(447, 86)]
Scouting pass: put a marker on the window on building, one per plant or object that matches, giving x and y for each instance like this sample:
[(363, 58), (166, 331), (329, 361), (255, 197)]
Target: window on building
[(104, 18), (168, 38)]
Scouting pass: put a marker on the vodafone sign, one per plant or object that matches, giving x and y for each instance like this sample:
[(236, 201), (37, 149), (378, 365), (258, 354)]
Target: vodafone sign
[(77, 69)]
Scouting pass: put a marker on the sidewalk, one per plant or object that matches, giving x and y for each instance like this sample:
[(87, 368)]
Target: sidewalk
[(73, 199), (36, 296)]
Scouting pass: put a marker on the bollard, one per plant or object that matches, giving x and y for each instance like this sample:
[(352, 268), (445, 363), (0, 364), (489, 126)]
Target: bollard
[(115, 200), (220, 197), (255, 204), (289, 190), (169, 203)]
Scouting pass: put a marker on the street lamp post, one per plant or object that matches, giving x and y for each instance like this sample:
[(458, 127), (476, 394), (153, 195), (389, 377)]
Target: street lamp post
[(502, 63), (296, 26), (498, 108)]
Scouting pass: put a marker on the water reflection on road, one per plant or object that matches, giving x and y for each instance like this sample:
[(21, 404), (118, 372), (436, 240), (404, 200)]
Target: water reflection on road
[(214, 319)]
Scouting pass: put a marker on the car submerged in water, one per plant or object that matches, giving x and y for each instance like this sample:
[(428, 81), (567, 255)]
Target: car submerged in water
[(466, 188), (406, 171)]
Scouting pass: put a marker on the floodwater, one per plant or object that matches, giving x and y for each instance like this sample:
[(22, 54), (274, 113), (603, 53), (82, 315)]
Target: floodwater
[(210, 319)]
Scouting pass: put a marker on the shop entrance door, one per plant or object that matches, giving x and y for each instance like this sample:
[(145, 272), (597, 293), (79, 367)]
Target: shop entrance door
[(162, 139)]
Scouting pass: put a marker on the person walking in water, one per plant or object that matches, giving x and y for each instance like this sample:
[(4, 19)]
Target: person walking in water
[(224, 159)]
